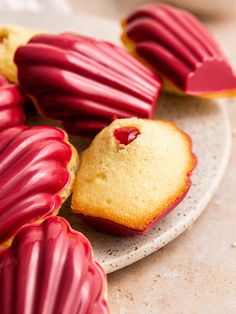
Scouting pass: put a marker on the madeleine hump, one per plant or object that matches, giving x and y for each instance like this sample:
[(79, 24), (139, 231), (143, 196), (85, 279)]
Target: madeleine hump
[(133, 174)]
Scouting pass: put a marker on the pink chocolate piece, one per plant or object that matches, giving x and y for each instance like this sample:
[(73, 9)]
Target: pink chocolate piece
[(49, 268), (126, 135), (180, 49), (33, 170), (11, 105), (85, 83)]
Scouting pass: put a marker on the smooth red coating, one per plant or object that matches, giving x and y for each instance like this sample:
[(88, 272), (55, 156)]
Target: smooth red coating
[(49, 269), (126, 135), (85, 83), (11, 105), (175, 44), (33, 170)]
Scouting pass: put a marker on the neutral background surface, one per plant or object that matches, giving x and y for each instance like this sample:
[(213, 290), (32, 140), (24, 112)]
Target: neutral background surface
[(196, 273)]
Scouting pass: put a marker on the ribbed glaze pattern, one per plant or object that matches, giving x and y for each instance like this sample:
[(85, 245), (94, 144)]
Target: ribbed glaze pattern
[(179, 48), (33, 171), (11, 102), (49, 269), (85, 83)]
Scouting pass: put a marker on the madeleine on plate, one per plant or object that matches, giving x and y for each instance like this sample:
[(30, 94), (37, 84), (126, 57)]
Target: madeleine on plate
[(176, 46), (134, 172)]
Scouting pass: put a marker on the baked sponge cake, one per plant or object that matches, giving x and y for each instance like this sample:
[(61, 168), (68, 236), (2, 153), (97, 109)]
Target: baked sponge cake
[(11, 105), (50, 268), (11, 37), (180, 49), (85, 83), (37, 170), (134, 172)]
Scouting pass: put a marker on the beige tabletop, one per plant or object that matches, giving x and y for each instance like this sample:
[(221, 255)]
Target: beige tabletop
[(196, 273)]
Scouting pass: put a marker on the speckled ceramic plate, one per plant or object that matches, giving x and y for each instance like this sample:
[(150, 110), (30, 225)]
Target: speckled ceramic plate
[(205, 121)]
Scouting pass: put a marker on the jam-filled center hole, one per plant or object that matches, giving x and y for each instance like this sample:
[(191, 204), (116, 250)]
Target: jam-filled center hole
[(126, 135)]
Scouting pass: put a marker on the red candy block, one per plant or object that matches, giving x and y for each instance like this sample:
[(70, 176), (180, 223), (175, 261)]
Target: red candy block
[(126, 135)]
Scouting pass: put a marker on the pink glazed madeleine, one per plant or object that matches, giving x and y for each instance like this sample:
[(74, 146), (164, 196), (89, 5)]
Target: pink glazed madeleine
[(11, 105), (37, 168), (85, 83), (180, 49), (49, 268)]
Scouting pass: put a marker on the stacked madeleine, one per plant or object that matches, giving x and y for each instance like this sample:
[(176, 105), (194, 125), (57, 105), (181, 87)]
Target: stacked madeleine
[(136, 170)]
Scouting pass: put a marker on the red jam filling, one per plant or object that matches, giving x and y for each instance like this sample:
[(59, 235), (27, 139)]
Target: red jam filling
[(126, 135)]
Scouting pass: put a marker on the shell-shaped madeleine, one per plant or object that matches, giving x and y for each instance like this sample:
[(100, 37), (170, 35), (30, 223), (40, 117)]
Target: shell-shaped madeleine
[(11, 105), (177, 47), (85, 83), (49, 269), (36, 171), (11, 37), (133, 174)]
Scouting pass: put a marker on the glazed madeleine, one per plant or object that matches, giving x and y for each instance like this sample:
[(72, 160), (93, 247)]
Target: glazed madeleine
[(37, 168), (85, 83), (49, 269), (180, 49), (11, 105), (132, 175)]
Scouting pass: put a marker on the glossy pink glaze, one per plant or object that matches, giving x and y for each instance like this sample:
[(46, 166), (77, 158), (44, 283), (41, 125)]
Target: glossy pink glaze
[(11, 105), (126, 135), (180, 49), (50, 269), (85, 83), (33, 170)]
